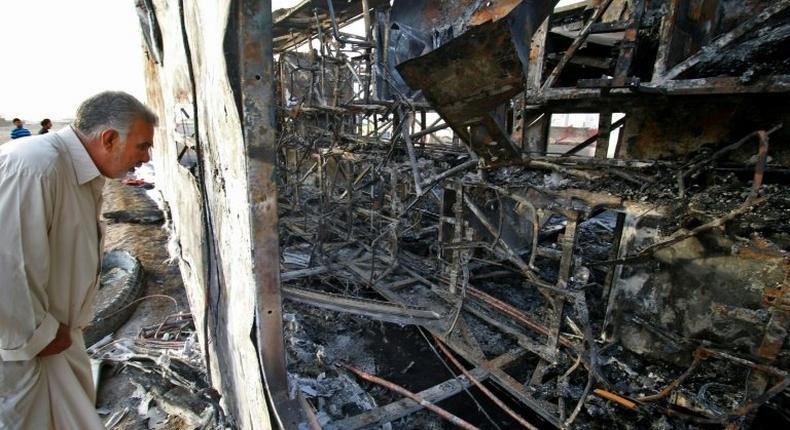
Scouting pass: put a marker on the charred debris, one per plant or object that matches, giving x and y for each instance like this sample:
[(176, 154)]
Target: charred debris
[(634, 277), (488, 214)]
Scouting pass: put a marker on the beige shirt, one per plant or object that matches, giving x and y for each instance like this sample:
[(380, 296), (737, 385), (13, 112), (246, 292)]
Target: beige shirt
[(50, 253)]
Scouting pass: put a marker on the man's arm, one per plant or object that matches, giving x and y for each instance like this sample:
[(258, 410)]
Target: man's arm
[(26, 210)]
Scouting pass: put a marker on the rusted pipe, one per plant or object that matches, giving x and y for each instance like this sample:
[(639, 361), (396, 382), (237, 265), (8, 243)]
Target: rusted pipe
[(698, 356), (515, 314), (622, 401), (400, 390), (524, 423), (759, 165), (309, 412)]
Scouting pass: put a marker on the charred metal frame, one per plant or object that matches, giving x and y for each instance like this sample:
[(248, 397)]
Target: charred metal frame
[(394, 274), (337, 138)]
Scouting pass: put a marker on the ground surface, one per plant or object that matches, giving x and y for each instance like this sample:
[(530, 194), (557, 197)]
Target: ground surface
[(162, 277)]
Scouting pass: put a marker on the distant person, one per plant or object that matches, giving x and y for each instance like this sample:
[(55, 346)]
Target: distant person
[(20, 130), (50, 201), (46, 124)]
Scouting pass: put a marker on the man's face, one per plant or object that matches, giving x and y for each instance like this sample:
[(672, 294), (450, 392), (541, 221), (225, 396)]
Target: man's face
[(129, 153), (19, 123)]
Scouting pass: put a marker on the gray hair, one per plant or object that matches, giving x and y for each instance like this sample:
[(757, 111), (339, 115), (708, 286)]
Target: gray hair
[(111, 109)]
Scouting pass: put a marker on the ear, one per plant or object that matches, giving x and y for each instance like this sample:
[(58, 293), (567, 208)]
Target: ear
[(108, 138)]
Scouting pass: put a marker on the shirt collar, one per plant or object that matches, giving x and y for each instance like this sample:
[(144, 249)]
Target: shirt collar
[(84, 167)]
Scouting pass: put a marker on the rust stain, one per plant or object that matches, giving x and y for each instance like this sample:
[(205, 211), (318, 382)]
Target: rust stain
[(777, 297), (760, 251), (622, 401), (431, 11), (252, 50), (494, 12)]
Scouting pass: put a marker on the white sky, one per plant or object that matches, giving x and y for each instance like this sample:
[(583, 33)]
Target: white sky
[(58, 53)]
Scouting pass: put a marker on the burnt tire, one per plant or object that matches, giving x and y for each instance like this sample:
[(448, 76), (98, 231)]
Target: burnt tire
[(120, 284), (136, 216)]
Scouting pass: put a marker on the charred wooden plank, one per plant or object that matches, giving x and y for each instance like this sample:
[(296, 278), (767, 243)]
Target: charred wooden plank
[(376, 309)]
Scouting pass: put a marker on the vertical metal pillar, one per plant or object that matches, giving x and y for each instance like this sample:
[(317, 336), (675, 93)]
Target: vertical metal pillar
[(256, 68), (604, 128)]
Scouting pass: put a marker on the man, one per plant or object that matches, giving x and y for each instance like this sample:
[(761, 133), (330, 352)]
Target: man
[(50, 201), (20, 130), (46, 124)]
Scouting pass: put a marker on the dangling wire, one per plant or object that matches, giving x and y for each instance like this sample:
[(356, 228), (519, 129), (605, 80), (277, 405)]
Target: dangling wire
[(450, 370)]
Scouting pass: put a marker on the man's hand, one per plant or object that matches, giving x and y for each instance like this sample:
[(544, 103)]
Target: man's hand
[(61, 342)]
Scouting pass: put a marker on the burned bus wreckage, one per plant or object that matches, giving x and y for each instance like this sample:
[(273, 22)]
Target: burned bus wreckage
[(483, 214)]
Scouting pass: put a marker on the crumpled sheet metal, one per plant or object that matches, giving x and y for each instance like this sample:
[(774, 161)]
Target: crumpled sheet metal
[(469, 75)]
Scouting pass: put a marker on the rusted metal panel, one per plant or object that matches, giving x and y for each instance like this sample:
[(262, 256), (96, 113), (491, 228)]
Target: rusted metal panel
[(488, 83), (256, 76), (493, 69), (200, 205)]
